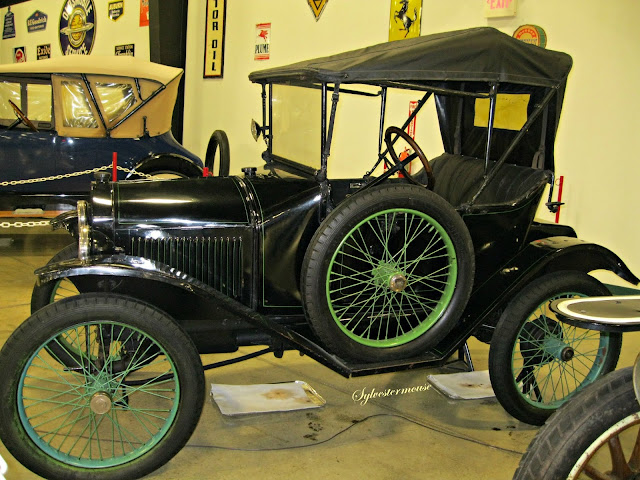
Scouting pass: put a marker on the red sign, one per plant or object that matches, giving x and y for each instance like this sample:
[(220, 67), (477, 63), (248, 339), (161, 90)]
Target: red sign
[(19, 55), (144, 13)]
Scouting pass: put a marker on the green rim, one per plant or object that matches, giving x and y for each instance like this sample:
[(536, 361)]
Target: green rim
[(391, 277), (63, 288), (110, 408), (552, 360)]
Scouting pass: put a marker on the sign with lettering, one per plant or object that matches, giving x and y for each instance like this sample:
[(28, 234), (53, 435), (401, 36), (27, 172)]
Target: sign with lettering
[(317, 7), (37, 21), (19, 55), (263, 42), (127, 50), (77, 27), (144, 13), (500, 8), (214, 38), (43, 51), (116, 9), (9, 25), (532, 34)]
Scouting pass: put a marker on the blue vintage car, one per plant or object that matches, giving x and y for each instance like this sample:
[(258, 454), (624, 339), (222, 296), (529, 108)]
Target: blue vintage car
[(63, 116)]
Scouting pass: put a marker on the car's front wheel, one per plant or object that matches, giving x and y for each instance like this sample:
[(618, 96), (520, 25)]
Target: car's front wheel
[(388, 273), (125, 407)]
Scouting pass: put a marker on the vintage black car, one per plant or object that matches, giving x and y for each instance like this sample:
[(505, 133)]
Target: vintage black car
[(366, 275)]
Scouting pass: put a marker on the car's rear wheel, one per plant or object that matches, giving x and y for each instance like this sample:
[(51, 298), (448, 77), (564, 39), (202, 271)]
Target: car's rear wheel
[(536, 362), (116, 413), (388, 273)]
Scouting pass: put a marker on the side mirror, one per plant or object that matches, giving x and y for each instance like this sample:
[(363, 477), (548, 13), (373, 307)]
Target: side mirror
[(256, 130)]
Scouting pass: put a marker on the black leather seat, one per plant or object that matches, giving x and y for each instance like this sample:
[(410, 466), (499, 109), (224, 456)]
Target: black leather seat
[(458, 178)]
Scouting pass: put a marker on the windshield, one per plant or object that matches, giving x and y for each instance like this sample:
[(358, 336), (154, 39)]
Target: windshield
[(296, 123)]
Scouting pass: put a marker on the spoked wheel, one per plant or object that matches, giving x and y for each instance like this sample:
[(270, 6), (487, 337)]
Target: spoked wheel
[(536, 362), (113, 414), (45, 293), (388, 273), (595, 436)]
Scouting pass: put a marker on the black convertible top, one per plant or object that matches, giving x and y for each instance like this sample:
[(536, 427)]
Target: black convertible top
[(476, 54)]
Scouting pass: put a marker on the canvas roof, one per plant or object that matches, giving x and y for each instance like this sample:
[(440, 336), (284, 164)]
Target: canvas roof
[(476, 54), (121, 66)]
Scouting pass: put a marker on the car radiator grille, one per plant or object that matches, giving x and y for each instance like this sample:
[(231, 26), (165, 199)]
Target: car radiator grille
[(212, 260)]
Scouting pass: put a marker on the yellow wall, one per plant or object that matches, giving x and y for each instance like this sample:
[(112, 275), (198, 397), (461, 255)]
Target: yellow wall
[(597, 140), (109, 33)]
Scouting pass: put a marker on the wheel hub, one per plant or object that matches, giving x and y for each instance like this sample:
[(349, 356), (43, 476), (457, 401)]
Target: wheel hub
[(100, 403), (387, 275)]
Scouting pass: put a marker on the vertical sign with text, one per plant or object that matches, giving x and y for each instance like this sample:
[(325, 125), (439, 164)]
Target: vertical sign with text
[(214, 38), (262, 49)]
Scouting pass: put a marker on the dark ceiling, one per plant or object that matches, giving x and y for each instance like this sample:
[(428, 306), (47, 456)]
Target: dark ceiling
[(6, 3)]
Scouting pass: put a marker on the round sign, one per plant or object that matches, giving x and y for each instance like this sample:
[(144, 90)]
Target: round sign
[(532, 34), (77, 27)]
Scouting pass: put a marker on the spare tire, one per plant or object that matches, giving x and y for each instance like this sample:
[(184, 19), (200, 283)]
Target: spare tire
[(218, 142), (387, 274)]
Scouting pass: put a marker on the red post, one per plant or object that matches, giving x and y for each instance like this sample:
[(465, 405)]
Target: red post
[(560, 182), (205, 172), (114, 165)]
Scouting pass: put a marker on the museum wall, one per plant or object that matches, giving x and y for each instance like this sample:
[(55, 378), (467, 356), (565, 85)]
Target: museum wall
[(108, 33), (597, 140)]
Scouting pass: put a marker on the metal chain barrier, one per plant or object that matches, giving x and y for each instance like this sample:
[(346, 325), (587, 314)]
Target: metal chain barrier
[(43, 223), (69, 175)]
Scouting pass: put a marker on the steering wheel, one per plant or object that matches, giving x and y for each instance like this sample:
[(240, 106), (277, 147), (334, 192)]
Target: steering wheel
[(417, 152), (22, 117)]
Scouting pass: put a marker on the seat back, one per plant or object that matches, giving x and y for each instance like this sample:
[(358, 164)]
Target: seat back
[(458, 179)]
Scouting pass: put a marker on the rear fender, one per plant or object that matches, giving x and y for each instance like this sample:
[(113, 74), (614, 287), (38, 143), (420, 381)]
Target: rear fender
[(538, 258)]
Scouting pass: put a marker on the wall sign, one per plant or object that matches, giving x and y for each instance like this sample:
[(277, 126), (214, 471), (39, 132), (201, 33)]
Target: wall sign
[(500, 8), (214, 38), (77, 27), (144, 13), (262, 49), (127, 50), (116, 9), (317, 7), (19, 55), (37, 21), (405, 19), (43, 51), (9, 25), (532, 34)]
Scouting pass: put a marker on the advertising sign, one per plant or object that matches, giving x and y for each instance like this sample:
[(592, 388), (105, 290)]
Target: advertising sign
[(19, 55), (37, 21), (43, 51), (317, 7), (532, 34), (127, 50), (405, 19), (9, 25), (116, 9), (144, 13), (214, 38), (77, 27), (263, 42)]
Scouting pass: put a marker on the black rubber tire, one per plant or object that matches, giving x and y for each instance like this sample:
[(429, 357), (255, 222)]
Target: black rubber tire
[(17, 356), (218, 140), (581, 424), (521, 328), (45, 293), (332, 236)]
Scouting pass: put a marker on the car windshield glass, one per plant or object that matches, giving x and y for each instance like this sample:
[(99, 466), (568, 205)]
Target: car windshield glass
[(76, 112), (39, 102), (116, 99), (296, 124), (8, 91)]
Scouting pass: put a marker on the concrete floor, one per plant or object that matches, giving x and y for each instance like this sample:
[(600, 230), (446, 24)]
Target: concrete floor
[(419, 435)]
